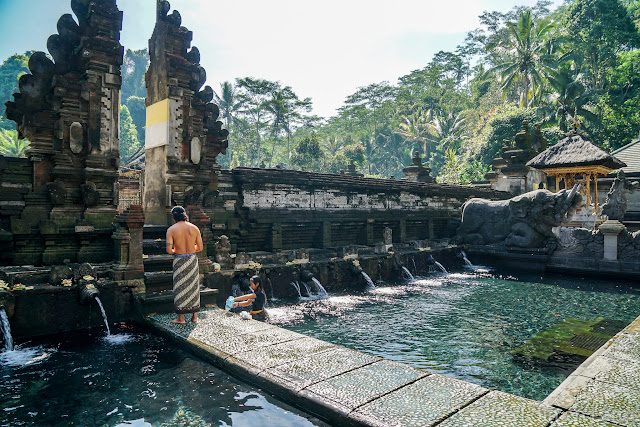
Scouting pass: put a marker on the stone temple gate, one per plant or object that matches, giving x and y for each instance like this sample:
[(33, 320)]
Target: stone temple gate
[(63, 199)]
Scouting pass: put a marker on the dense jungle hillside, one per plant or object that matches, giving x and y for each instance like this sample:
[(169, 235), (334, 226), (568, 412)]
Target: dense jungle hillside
[(575, 66)]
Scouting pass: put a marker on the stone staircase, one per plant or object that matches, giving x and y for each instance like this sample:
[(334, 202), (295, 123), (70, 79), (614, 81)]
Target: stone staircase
[(158, 274)]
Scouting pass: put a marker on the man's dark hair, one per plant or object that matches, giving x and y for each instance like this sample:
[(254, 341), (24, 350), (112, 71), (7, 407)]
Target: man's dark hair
[(257, 281), (178, 213)]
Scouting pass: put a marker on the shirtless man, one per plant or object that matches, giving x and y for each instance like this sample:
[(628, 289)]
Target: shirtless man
[(183, 241)]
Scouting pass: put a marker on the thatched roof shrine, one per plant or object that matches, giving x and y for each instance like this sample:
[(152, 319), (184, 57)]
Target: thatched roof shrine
[(574, 151), (576, 159)]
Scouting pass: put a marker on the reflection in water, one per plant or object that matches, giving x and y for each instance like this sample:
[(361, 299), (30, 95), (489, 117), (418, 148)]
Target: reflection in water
[(462, 325), (128, 379)]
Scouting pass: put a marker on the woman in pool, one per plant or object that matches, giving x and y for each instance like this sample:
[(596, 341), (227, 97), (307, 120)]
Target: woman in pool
[(256, 300)]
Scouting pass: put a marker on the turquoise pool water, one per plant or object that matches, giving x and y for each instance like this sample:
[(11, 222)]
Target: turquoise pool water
[(462, 325), (128, 379)]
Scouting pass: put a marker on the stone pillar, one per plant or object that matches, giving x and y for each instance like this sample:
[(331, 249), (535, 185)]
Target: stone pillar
[(200, 219), (369, 232), (611, 228), (326, 234), (128, 263), (432, 234), (403, 230), (276, 236)]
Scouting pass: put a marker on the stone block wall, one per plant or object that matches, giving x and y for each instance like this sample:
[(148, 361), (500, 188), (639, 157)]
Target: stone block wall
[(273, 209)]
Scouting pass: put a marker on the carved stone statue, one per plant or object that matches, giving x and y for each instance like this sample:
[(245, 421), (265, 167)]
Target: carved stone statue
[(524, 221), (616, 204), (222, 249)]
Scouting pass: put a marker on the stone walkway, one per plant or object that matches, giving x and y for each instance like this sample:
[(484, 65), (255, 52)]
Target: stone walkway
[(346, 387)]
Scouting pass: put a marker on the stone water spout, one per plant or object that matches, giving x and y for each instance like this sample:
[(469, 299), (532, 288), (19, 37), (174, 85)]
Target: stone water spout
[(88, 294), (8, 303)]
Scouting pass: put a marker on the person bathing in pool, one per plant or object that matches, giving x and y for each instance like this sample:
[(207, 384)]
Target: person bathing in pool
[(256, 300)]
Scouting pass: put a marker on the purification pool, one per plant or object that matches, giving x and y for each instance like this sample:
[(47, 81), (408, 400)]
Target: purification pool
[(128, 379), (462, 325)]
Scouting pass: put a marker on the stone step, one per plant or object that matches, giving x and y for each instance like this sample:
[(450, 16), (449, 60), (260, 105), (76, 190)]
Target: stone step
[(157, 281), (154, 246), (162, 302), (161, 262), (154, 231)]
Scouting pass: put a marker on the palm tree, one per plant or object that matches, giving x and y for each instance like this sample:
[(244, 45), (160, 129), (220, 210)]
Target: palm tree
[(417, 128), (570, 98), (228, 102), (10, 145), (527, 55)]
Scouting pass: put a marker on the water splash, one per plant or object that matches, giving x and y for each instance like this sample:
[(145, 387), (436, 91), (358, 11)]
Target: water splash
[(441, 267), (408, 273), (24, 356), (119, 338), (6, 330), (370, 284), (319, 288), (104, 315)]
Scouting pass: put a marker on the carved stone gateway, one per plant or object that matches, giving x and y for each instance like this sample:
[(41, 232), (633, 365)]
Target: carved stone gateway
[(184, 136), (68, 108)]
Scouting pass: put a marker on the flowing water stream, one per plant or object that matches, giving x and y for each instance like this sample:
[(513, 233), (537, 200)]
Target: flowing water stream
[(6, 330)]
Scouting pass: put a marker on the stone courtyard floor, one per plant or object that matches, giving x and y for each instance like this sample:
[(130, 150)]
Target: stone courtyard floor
[(347, 387)]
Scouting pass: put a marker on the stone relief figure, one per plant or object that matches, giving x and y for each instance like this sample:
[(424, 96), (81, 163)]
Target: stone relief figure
[(523, 221), (222, 249), (616, 204)]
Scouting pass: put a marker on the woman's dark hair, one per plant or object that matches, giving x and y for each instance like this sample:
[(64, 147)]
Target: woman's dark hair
[(178, 213), (257, 281)]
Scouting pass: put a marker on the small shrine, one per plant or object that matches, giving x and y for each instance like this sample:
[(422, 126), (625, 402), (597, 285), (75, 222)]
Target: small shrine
[(576, 160), (510, 171), (417, 172)]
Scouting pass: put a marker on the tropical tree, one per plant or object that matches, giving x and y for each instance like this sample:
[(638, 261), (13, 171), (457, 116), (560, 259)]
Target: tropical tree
[(134, 67), (570, 98), (417, 129), (600, 29), (10, 145), (129, 143), (10, 71), (527, 57), (286, 110), (228, 102)]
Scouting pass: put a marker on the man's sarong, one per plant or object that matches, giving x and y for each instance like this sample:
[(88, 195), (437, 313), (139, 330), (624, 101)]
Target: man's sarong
[(186, 283)]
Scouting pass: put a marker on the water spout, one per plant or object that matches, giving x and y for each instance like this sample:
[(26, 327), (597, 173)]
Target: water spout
[(320, 290), (466, 260), (296, 286), (441, 267), (408, 273), (104, 315), (6, 330), (370, 284)]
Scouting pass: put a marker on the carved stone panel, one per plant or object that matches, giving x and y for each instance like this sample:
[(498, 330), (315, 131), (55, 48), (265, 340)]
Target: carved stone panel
[(76, 140)]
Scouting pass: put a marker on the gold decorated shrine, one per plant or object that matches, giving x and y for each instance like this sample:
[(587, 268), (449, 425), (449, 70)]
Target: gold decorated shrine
[(580, 174)]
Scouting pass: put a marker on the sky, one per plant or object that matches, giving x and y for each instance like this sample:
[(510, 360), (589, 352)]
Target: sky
[(323, 50)]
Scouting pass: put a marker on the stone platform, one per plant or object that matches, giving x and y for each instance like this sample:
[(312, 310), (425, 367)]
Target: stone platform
[(346, 387)]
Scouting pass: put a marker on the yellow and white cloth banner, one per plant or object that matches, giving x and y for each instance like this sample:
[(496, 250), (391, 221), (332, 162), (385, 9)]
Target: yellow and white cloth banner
[(157, 129)]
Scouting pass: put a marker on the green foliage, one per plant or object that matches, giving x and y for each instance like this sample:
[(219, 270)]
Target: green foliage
[(10, 145), (134, 67), (308, 154), (129, 143), (138, 111), (10, 71)]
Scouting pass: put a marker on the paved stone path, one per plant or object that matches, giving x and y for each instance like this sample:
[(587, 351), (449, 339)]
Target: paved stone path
[(347, 387)]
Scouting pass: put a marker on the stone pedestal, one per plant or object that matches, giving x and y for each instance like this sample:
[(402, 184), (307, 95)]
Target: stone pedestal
[(128, 264), (611, 229)]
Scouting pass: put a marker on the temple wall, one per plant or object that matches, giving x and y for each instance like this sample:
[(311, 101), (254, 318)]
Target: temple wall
[(272, 209)]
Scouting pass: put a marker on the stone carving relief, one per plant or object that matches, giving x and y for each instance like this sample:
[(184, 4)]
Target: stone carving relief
[(616, 204), (222, 250)]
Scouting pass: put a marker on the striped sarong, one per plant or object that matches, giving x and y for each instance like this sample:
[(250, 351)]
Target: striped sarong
[(186, 283)]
